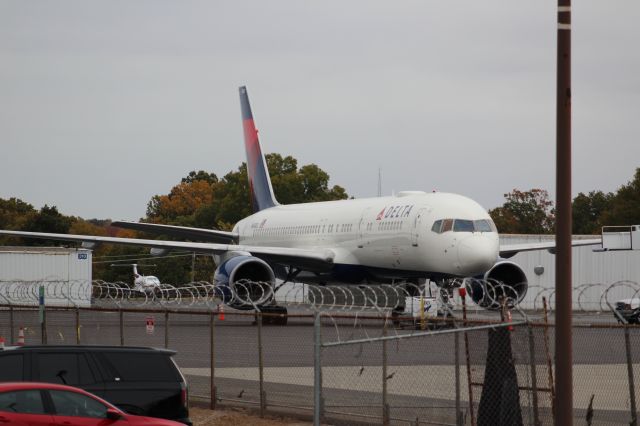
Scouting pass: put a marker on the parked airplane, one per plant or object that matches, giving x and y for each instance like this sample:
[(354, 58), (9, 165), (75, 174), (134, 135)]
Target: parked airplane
[(142, 283), (408, 236)]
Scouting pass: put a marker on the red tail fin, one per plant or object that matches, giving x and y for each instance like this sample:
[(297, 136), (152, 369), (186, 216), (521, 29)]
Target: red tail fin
[(259, 182)]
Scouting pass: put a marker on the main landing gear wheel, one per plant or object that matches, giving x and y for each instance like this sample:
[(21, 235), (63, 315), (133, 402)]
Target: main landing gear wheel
[(274, 315)]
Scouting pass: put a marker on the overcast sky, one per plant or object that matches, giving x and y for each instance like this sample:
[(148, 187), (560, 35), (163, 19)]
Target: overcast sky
[(107, 103)]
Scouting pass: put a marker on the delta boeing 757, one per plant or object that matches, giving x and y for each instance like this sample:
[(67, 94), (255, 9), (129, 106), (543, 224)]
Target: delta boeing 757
[(409, 236)]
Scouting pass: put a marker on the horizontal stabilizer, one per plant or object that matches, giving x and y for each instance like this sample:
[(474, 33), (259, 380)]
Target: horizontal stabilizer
[(194, 234)]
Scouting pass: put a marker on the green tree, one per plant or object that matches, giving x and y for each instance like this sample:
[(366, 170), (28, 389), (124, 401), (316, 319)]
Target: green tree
[(525, 212), (15, 214), (180, 204), (588, 210), (193, 176), (625, 204), (230, 195)]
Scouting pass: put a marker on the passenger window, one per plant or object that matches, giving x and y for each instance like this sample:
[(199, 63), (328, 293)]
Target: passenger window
[(461, 225), (11, 368), (77, 405), (59, 368), (26, 402), (447, 225)]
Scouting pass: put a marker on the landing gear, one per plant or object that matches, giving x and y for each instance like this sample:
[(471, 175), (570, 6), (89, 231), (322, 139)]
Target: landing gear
[(274, 315)]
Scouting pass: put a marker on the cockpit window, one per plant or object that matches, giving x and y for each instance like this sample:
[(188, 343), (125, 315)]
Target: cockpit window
[(436, 226), (447, 225), (461, 225), (483, 226)]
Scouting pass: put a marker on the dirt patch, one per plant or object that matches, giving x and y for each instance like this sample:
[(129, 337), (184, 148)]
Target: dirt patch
[(232, 416)]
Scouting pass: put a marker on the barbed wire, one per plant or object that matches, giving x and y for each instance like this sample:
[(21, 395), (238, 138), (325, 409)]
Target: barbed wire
[(245, 294)]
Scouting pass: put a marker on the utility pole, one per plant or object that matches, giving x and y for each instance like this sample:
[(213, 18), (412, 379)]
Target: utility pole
[(564, 357)]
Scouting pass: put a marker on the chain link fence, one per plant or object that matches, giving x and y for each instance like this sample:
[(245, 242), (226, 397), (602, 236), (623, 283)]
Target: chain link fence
[(365, 369)]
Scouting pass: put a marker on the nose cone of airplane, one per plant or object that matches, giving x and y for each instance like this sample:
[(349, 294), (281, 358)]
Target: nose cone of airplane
[(477, 254)]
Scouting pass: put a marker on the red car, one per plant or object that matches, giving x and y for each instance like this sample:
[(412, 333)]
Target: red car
[(31, 403)]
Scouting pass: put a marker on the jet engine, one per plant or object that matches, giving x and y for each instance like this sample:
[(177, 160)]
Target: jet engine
[(245, 282), (506, 281)]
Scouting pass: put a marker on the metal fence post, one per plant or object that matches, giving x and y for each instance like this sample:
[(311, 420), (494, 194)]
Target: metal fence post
[(632, 391), (121, 328), (43, 326), (261, 366), (456, 341), (317, 372), (212, 385), (11, 325), (385, 402), (548, 355), (166, 329), (468, 358), (77, 326), (534, 378)]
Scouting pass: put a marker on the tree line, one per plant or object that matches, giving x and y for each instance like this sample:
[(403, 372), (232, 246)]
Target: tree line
[(202, 199), (532, 212)]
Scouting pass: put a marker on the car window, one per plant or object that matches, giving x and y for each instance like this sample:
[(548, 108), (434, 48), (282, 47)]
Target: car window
[(142, 367), (64, 368), (75, 404), (23, 401), (11, 368)]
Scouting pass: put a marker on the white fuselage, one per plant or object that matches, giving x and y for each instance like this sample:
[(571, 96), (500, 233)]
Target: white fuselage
[(388, 234)]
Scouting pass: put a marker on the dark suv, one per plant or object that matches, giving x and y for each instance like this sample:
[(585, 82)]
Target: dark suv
[(141, 381)]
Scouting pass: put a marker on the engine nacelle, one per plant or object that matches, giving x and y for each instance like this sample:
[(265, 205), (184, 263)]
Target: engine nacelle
[(505, 281), (245, 282)]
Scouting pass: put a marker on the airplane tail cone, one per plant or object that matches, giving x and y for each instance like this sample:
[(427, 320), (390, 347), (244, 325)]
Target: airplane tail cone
[(21, 337), (221, 313)]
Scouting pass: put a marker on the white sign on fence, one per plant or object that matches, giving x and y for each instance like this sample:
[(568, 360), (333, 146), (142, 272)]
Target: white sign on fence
[(150, 324)]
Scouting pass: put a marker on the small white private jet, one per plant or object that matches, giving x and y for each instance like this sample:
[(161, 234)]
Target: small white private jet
[(411, 235), (142, 283)]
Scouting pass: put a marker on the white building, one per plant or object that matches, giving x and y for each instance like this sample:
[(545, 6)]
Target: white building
[(593, 272), (65, 274)]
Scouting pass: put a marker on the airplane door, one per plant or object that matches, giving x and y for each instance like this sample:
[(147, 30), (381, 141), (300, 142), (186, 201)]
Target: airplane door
[(362, 225), (417, 222)]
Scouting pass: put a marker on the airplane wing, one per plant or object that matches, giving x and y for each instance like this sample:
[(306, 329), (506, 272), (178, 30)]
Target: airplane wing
[(313, 260), (198, 234), (509, 250)]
